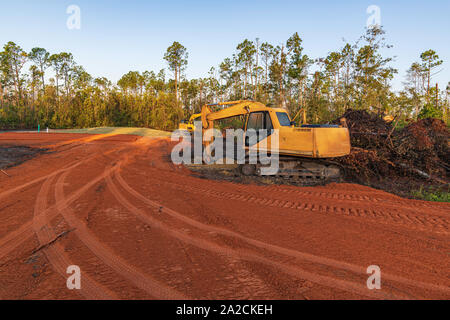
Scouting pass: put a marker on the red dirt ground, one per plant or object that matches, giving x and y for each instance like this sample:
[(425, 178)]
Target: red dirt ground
[(141, 228)]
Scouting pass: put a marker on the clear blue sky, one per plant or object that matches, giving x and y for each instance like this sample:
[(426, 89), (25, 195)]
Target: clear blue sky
[(118, 36)]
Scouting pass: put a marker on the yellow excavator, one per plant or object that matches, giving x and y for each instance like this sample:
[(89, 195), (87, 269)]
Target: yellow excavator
[(303, 151), (189, 125)]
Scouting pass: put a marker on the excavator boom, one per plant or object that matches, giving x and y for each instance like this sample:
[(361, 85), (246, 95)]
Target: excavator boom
[(236, 108)]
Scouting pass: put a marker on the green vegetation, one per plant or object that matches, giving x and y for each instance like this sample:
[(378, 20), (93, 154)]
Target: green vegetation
[(430, 111), (431, 194), (52, 90)]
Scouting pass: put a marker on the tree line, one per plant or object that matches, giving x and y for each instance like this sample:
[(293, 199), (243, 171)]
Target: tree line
[(57, 92)]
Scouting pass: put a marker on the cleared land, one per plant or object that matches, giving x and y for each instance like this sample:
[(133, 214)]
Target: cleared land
[(143, 132), (140, 227)]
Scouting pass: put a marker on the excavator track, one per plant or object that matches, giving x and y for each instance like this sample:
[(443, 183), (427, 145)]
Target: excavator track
[(294, 170), (299, 170)]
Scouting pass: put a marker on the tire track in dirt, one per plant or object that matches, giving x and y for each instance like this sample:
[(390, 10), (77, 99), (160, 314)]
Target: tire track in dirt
[(55, 252), (19, 236), (435, 224), (387, 200), (75, 142), (384, 199), (366, 196), (37, 180), (106, 254), (15, 238), (246, 255), (250, 257), (270, 247), (73, 165), (430, 221)]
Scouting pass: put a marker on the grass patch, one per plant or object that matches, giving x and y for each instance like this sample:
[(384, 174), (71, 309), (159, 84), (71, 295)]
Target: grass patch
[(143, 132), (431, 194)]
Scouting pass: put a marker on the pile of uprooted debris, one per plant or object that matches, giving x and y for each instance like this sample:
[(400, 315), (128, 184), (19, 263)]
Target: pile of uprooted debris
[(382, 154)]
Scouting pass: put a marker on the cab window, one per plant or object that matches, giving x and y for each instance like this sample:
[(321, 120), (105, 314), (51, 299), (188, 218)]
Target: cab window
[(283, 118), (260, 121), (256, 121)]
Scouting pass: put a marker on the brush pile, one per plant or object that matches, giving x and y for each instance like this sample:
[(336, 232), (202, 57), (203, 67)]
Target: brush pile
[(425, 144), (366, 129), (380, 152)]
